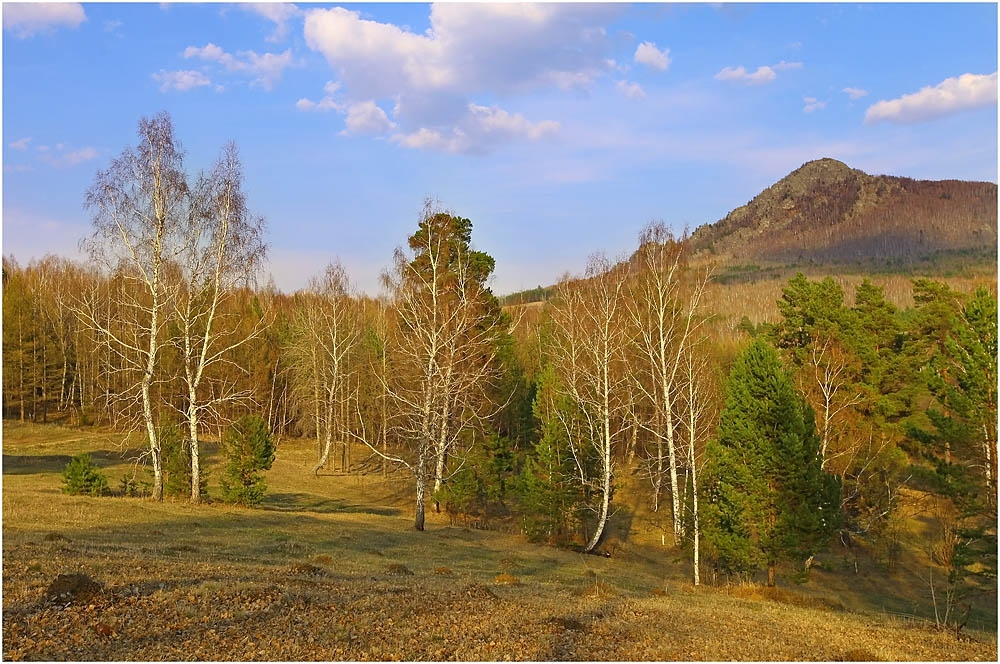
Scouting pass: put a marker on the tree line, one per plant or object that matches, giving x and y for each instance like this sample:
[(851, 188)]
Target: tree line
[(532, 416)]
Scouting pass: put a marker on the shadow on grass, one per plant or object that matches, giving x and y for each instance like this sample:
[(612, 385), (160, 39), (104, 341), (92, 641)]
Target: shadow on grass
[(30, 464), (306, 502)]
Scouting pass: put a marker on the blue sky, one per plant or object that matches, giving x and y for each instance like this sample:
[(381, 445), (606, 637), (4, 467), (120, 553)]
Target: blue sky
[(559, 130)]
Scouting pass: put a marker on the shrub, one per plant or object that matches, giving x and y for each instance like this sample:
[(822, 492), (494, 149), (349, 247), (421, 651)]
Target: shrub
[(130, 488), (249, 446), (81, 477)]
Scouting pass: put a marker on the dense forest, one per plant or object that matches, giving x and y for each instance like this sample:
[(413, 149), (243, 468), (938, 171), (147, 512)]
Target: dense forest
[(757, 446)]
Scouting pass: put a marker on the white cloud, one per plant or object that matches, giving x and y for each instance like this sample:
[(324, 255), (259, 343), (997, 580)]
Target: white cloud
[(648, 54), (265, 70), (361, 117), (25, 19), (631, 89), (69, 158), (20, 144), (17, 168), (367, 118), (184, 79), (327, 103), (952, 95), (113, 25), (493, 119), (278, 13), (763, 74), (855, 93), (812, 104), (478, 131), (469, 49)]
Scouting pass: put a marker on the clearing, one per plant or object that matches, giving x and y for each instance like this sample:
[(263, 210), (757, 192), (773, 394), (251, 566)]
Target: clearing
[(330, 568)]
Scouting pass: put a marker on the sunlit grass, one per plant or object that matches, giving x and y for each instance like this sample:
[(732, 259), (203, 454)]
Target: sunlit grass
[(309, 575)]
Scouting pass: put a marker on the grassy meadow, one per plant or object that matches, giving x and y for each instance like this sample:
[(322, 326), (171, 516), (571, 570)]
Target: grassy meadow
[(330, 568)]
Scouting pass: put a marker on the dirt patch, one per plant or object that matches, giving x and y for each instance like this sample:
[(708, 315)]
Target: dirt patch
[(70, 588), (399, 570), (323, 559), (442, 571), (506, 580), (56, 537)]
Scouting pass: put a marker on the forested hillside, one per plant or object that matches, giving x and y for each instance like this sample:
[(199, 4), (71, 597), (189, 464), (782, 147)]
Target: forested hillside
[(827, 212), (752, 444)]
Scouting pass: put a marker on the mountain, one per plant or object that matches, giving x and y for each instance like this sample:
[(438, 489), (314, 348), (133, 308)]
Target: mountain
[(827, 212)]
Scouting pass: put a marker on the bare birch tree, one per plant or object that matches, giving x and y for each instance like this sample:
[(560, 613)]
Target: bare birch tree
[(139, 203), (326, 333), (443, 350), (587, 350), (831, 384), (662, 310), (222, 250), (697, 426)]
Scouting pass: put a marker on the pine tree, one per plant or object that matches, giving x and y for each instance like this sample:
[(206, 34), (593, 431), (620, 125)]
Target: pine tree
[(547, 490), (250, 448), (766, 495), (81, 477)]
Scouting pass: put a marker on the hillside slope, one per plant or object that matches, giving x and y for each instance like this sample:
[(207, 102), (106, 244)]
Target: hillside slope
[(826, 211)]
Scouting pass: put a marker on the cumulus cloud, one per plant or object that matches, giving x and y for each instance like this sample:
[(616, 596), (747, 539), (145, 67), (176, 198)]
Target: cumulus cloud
[(764, 73), (952, 95), (478, 130), (631, 89), (367, 118), (648, 54), (280, 14), (184, 79), (265, 70), (27, 19), (498, 47), (812, 104), (364, 117), (20, 144), (855, 93), (469, 49)]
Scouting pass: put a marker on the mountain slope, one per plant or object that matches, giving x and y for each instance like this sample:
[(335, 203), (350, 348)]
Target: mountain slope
[(826, 211)]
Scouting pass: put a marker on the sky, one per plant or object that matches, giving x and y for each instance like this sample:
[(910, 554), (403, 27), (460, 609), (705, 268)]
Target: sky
[(559, 129)]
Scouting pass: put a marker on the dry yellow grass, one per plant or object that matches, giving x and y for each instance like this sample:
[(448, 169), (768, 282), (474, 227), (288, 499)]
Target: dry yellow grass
[(306, 577)]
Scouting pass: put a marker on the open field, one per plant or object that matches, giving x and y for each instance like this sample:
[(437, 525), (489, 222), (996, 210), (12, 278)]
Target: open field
[(315, 575)]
